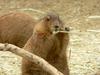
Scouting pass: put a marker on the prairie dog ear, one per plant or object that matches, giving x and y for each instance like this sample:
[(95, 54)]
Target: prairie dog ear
[(48, 18)]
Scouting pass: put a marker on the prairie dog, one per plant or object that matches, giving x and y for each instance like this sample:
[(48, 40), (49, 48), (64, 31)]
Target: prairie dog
[(16, 28), (51, 47)]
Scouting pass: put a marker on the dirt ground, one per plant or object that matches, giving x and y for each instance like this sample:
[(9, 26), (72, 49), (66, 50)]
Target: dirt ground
[(83, 16)]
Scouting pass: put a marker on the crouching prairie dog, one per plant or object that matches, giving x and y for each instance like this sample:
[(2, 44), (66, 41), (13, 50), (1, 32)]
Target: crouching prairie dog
[(51, 47), (16, 28)]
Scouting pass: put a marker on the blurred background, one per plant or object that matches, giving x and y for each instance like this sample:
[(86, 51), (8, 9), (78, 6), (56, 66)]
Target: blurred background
[(83, 16)]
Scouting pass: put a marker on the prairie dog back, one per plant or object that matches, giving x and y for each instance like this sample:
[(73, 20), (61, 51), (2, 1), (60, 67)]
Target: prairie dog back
[(16, 28)]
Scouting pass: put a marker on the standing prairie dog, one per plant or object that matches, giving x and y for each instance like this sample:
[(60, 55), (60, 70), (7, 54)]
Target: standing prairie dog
[(51, 47), (16, 28)]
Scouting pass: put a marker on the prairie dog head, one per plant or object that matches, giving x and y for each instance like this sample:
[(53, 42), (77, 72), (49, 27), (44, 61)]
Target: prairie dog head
[(49, 23)]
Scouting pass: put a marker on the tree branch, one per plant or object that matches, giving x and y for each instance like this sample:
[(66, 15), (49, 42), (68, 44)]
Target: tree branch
[(32, 57)]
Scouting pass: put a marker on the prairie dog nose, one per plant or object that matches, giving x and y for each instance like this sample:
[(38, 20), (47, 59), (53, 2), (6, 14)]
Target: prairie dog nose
[(56, 28), (67, 29)]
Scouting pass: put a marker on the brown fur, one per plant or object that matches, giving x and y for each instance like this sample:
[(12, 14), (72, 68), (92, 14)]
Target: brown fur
[(51, 47), (16, 28)]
